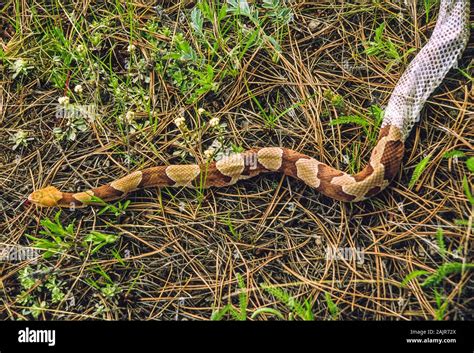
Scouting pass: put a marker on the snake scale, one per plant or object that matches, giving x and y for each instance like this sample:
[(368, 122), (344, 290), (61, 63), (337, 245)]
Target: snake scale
[(422, 76)]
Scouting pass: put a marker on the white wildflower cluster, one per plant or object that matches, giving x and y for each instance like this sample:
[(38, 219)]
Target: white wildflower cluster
[(216, 150), (78, 89), (213, 149), (180, 122), (63, 100), (214, 122), (131, 48), (130, 117), (81, 50), (201, 111)]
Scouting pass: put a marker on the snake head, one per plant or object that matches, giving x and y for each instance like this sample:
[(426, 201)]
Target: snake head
[(46, 197)]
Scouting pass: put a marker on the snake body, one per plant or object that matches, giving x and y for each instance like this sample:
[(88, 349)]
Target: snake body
[(442, 51)]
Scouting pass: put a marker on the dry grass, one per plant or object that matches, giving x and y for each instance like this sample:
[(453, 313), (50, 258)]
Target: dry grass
[(181, 249)]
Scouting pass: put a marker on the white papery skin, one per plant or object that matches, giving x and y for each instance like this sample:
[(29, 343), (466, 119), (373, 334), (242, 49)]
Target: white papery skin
[(430, 66)]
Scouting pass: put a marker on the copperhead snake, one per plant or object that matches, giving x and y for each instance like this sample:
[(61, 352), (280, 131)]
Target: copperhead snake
[(442, 51)]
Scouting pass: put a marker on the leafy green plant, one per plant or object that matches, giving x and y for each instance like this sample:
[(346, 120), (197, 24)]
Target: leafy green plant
[(73, 126), (441, 243), (445, 270), (240, 7), (332, 307), (467, 71), (370, 126), (197, 20), (34, 295), (272, 116), (380, 47), (190, 72), (436, 278), (25, 276), (302, 310), (110, 290), (204, 81), (98, 240), (243, 299), (454, 154), (427, 4), (349, 119), (20, 138), (419, 169), (470, 164), (105, 285), (220, 37), (377, 114), (59, 47), (335, 99), (352, 157), (412, 275), (385, 48), (57, 238), (271, 311), (117, 209), (433, 279), (441, 305), (232, 229), (467, 190), (460, 154), (241, 314), (278, 12), (36, 309), (55, 289), (19, 67)]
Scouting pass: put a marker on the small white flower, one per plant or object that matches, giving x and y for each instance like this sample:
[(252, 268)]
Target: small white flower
[(130, 117), (201, 111), (78, 89), (209, 153), (81, 49), (214, 122), (180, 122), (63, 100), (131, 48)]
